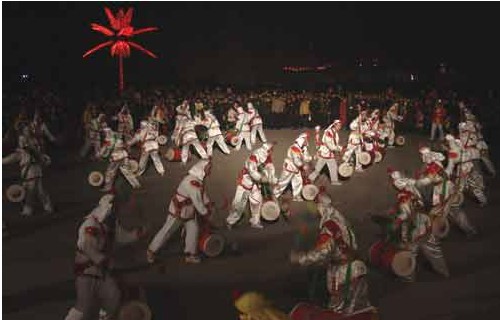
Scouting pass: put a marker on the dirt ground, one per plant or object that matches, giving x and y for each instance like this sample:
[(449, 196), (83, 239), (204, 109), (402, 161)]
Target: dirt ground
[(37, 257)]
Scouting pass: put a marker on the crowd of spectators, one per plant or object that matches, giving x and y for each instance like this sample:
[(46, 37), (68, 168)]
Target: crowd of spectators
[(280, 108)]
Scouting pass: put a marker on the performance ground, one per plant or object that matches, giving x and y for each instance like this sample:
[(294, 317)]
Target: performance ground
[(37, 257)]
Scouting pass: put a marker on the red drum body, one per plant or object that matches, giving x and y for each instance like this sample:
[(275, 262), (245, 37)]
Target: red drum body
[(232, 137), (173, 154), (211, 244), (306, 311), (387, 256)]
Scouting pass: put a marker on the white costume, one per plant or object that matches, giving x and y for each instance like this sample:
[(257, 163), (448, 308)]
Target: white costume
[(93, 137), (411, 229), (442, 190), (256, 126), (328, 148), (95, 287), (41, 131), (389, 126), (114, 149), (147, 136), (214, 133), (31, 160), (187, 206), (294, 167), (125, 123), (462, 166), (182, 113), (471, 136), (257, 170), (243, 128), (189, 138), (355, 141), (335, 247)]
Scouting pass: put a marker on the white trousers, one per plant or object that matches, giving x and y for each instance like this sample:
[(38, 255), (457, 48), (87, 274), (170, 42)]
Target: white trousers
[(287, 177), (244, 135), (220, 142), (332, 168), (112, 170), (257, 129), (357, 149), (239, 205), (34, 189), (197, 145), (143, 161), (172, 224), (92, 294)]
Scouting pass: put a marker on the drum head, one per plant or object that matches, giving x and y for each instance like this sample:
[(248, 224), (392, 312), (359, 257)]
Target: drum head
[(170, 154), (440, 227), (346, 170), (95, 178), (270, 211), (162, 140), (214, 245), (133, 165), (365, 158), (403, 263), (234, 140), (15, 193), (310, 191), (400, 140), (135, 310), (378, 156)]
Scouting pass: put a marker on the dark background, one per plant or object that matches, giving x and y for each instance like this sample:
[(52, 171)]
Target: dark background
[(248, 42)]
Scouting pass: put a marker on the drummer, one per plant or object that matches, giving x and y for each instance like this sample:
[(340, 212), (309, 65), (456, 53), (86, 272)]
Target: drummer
[(410, 229), (328, 148), (254, 182), (31, 160), (147, 136), (336, 246)]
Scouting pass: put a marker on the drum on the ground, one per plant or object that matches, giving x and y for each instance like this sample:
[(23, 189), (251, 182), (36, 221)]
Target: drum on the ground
[(135, 310), (211, 244), (309, 192), (400, 140), (377, 156), (15, 193), (346, 170), (385, 255), (232, 137), (365, 158), (162, 140), (440, 227), (173, 154), (270, 210), (95, 178)]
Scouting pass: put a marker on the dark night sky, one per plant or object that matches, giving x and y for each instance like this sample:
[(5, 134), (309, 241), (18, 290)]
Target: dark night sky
[(199, 39)]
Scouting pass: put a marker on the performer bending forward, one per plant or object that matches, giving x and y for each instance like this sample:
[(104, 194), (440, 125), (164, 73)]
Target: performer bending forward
[(294, 167), (189, 204), (258, 171)]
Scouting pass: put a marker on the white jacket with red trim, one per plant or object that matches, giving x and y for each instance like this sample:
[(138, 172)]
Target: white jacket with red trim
[(191, 197), (329, 144)]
